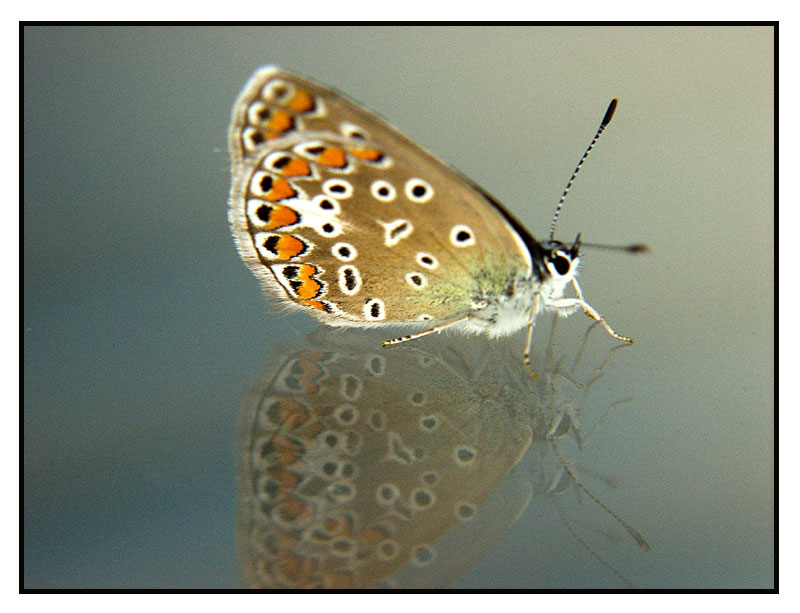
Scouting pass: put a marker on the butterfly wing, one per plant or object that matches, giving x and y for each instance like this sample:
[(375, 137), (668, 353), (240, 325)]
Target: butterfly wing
[(339, 213)]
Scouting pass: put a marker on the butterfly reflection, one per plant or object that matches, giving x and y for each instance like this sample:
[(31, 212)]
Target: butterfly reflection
[(364, 467)]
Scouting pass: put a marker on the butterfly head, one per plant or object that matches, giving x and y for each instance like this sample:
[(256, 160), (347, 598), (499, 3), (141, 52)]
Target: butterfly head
[(558, 264)]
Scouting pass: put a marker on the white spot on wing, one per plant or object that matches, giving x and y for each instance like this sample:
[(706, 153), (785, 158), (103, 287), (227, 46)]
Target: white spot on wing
[(395, 231), (462, 236)]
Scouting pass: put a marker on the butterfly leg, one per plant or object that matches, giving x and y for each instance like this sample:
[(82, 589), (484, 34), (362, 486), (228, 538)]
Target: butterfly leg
[(411, 337), (568, 303), (529, 337)]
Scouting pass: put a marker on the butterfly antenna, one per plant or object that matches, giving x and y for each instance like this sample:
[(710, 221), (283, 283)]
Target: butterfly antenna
[(636, 249), (606, 119), (586, 546), (630, 529)]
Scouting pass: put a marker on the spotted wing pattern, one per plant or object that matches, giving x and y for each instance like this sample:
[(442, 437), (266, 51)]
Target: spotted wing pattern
[(338, 213)]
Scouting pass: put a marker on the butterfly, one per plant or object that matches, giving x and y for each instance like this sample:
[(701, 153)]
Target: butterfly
[(340, 215)]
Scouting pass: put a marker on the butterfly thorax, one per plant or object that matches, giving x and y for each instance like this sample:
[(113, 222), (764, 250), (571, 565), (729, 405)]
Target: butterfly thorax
[(525, 294)]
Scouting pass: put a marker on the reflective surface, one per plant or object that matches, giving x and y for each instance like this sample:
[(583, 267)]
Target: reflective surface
[(356, 462), (143, 331)]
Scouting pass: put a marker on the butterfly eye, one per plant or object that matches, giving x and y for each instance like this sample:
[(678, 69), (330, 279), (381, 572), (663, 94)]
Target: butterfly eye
[(561, 264)]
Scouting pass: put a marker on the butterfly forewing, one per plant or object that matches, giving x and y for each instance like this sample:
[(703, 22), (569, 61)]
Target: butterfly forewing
[(335, 210)]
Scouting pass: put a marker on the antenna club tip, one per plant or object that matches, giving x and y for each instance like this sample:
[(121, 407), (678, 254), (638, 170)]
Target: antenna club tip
[(609, 112), (606, 119), (639, 248)]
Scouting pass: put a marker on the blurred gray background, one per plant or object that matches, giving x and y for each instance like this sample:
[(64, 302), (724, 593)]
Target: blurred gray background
[(143, 329)]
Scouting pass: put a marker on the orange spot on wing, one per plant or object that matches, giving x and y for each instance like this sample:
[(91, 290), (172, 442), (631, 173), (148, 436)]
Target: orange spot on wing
[(310, 430), (285, 539), (310, 369), (289, 246), (301, 102), (280, 122), (286, 450), (337, 526), (296, 168), (286, 480), (292, 413), (370, 155), (307, 378), (304, 285), (280, 190), (282, 216), (315, 304), (310, 289), (333, 157), (294, 509)]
